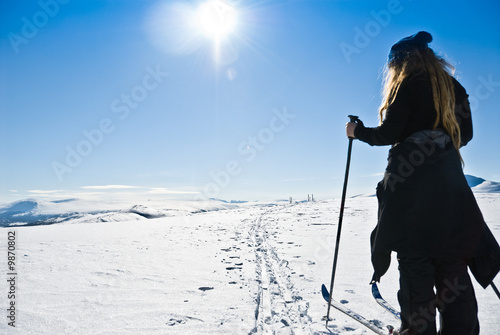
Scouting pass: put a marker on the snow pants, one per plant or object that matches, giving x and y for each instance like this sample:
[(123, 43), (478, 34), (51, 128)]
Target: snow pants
[(453, 297)]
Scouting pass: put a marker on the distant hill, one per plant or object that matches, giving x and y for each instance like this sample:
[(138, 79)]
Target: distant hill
[(481, 185), (473, 181), (32, 212)]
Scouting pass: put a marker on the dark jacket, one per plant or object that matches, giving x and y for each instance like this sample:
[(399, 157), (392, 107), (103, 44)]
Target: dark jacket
[(426, 208), (413, 110)]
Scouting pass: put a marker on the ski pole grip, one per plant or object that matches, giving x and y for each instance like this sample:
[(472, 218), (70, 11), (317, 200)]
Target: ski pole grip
[(353, 118)]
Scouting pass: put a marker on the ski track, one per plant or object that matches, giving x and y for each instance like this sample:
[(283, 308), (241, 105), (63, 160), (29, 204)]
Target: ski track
[(279, 307)]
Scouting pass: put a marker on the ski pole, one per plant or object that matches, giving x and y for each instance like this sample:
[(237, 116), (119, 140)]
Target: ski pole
[(495, 289), (341, 215)]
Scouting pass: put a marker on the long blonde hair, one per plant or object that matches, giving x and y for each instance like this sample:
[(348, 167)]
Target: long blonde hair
[(440, 73)]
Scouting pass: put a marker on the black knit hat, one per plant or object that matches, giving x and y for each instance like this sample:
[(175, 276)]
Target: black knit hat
[(403, 47)]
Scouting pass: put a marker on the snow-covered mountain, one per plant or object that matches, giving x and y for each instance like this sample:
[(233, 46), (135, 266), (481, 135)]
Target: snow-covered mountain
[(28, 212), (38, 212), (33, 212), (473, 180), (480, 185)]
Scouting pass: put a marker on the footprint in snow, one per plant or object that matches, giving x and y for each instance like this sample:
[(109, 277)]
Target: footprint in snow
[(233, 268), (180, 320), (174, 322), (283, 321)]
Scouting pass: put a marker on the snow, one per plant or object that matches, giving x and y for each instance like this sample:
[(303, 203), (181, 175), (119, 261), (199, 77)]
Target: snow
[(202, 268), (487, 187), (480, 185), (39, 212)]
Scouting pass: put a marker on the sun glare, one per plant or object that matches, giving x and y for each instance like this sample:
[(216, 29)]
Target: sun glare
[(216, 19)]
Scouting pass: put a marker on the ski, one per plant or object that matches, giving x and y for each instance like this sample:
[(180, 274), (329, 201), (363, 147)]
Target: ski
[(376, 328), (382, 302)]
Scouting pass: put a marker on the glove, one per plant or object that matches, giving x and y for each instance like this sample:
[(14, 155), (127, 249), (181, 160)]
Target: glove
[(351, 133), (360, 123)]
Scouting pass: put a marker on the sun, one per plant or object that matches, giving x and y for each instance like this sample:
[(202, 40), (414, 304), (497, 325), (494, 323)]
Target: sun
[(216, 19)]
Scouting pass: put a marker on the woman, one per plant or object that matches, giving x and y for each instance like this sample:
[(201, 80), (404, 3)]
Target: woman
[(427, 212)]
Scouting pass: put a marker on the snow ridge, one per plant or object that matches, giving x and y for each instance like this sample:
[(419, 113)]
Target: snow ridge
[(32, 212)]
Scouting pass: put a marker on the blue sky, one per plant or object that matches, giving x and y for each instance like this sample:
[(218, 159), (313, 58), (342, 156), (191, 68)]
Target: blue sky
[(116, 99)]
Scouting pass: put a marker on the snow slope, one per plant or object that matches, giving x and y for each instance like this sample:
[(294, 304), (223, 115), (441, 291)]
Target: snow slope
[(487, 187), (479, 185), (243, 270)]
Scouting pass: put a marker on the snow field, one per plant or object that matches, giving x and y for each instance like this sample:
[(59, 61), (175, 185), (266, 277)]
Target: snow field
[(248, 270)]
